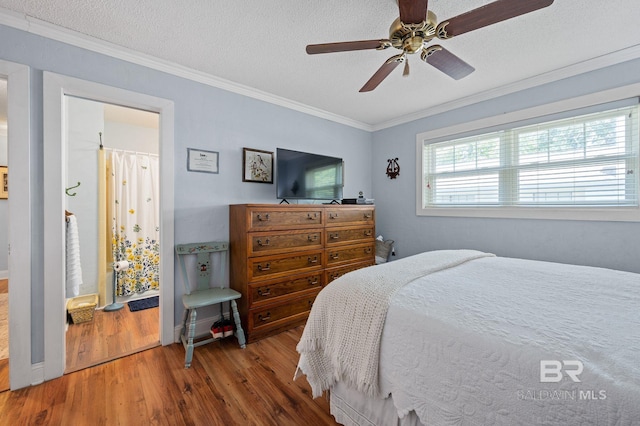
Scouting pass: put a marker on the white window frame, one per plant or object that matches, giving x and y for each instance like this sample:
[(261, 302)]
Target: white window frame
[(623, 214)]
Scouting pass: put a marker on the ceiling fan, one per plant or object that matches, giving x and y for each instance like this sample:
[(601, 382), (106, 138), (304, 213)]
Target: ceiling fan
[(417, 26)]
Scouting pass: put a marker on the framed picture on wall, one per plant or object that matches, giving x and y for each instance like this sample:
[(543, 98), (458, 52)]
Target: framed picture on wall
[(199, 160), (4, 182), (257, 166)]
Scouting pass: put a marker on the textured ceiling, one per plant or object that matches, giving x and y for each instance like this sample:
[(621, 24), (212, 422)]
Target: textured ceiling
[(261, 44)]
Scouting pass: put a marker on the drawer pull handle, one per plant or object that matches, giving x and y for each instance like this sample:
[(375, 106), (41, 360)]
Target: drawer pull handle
[(335, 276), (368, 233), (334, 256), (333, 215), (314, 282), (367, 215), (265, 318), (265, 243), (263, 218), (313, 237), (262, 292), (266, 267), (314, 260), (312, 216), (311, 303), (334, 236), (367, 250)]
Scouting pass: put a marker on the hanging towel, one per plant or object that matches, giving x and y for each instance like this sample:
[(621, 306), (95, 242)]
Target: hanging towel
[(74, 270)]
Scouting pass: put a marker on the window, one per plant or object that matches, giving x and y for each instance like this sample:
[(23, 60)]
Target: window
[(589, 161)]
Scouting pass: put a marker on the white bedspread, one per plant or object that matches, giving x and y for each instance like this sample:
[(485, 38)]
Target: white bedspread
[(341, 339), (463, 346)]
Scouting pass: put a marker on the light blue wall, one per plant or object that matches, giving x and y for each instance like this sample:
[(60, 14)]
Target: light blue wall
[(205, 118), (605, 244)]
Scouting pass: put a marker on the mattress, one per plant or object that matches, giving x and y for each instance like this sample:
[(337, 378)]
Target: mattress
[(505, 341)]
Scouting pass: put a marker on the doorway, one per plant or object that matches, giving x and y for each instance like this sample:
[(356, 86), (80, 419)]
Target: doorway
[(4, 256), (112, 215), (56, 87)]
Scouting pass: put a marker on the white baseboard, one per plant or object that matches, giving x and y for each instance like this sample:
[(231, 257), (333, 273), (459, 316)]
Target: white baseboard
[(4, 275)]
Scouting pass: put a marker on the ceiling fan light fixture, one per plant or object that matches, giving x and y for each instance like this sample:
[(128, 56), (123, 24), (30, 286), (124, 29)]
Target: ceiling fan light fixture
[(417, 26), (412, 44)]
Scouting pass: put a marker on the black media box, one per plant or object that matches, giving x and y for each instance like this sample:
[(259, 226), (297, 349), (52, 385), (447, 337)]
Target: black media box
[(349, 201)]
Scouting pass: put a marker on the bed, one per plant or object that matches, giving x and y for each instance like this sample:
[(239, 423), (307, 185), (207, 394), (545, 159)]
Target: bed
[(461, 337)]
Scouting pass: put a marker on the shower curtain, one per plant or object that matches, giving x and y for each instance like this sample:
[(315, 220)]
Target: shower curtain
[(135, 220)]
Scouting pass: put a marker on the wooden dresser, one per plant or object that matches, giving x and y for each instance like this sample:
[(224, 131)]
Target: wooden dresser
[(282, 256)]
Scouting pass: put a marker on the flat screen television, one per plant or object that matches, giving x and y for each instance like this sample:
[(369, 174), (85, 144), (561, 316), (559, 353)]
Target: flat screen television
[(306, 176)]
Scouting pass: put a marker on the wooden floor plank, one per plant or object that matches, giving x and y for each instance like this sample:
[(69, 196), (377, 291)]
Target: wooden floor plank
[(111, 335), (225, 385), (4, 374)]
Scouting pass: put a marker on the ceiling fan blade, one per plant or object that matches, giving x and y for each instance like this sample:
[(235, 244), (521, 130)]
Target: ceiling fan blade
[(345, 46), (446, 62), (412, 11), (383, 72), (489, 14)]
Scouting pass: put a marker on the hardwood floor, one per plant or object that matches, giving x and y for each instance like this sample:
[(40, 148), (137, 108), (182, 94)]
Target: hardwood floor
[(4, 374), (225, 385), (111, 335)]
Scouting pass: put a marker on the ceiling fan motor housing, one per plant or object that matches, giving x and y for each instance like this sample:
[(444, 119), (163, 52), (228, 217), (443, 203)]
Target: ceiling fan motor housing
[(411, 37)]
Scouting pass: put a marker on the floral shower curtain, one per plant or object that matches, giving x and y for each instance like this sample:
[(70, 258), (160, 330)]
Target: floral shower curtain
[(135, 220)]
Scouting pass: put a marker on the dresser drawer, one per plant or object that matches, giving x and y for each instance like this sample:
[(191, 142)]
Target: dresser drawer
[(282, 265), (353, 253), (338, 236), (352, 216), (273, 290), (284, 219), (261, 243), (334, 273), (270, 315)]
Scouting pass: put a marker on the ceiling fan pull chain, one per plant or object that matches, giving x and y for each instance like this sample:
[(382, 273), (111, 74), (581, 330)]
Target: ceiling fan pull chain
[(405, 73)]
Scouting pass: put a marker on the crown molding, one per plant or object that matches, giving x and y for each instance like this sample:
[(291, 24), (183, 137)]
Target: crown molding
[(55, 32), (45, 29)]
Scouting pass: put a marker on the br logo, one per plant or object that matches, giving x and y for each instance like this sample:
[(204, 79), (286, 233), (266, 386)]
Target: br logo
[(551, 371)]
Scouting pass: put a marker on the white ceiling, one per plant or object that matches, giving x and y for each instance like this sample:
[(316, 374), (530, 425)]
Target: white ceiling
[(260, 44)]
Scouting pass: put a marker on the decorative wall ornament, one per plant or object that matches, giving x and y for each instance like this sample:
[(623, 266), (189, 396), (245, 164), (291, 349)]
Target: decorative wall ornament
[(393, 169)]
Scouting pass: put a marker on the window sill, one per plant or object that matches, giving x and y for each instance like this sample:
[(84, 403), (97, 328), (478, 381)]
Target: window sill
[(622, 214)]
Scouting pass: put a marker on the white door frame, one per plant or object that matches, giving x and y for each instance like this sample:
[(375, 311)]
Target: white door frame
[(19, 161), (56, 86)]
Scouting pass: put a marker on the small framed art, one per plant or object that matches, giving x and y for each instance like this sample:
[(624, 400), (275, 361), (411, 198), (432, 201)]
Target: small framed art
[(4, 183), (257, 165), (199, 160)]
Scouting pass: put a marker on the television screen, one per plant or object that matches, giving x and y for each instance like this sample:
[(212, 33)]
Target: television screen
[(302, 175)]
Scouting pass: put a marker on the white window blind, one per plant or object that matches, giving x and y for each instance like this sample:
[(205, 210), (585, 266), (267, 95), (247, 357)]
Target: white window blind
[(584, 161)]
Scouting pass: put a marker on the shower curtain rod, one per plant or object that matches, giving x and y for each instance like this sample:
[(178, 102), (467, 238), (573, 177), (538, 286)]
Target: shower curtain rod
[(131, 152)]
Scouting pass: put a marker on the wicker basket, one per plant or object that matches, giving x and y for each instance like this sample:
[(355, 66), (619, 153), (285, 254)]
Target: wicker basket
[(81, 308)]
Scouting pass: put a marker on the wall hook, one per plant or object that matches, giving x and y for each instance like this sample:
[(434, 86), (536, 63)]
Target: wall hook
[(71, 187)]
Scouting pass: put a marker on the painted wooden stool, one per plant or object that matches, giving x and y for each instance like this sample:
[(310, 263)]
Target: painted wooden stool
[(204, 295)]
